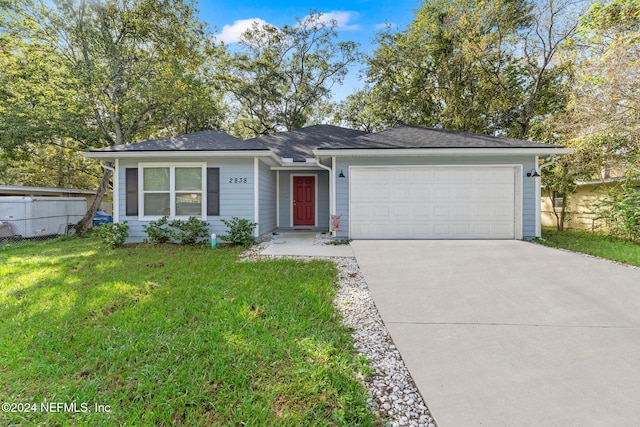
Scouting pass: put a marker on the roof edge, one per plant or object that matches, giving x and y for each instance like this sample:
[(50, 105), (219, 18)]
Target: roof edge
[(403, 152), (181, 153)]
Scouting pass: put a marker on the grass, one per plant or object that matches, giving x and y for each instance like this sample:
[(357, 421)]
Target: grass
[(597, 244), (171, 335)]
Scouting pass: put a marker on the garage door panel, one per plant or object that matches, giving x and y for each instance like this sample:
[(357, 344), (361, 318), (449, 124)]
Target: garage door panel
[(427, 202)]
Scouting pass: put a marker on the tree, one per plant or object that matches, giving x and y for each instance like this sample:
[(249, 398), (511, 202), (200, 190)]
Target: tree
[(561, 178), (603, 116), (278, 75), (361, 111), (50, 165), (543, 72), (453, 67), (127, 65), (473, 65)]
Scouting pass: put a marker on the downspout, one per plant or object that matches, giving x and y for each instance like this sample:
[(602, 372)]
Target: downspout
[(549, 163), (332, 187)]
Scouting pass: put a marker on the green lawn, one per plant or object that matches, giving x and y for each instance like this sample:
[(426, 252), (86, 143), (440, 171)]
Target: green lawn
[(591, 243), (170, 335)]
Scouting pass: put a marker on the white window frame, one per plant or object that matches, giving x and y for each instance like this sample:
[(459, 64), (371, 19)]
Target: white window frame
[(172, 189)]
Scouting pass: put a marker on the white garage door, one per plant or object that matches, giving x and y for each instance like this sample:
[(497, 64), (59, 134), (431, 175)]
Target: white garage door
[(432, 202)]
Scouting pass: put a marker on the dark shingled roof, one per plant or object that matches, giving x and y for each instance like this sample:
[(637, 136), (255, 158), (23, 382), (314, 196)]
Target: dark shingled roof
[(210, 140), (298, 144), (408, 136)]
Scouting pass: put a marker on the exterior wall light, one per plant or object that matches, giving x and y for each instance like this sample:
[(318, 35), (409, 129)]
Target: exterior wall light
[(533, 173)]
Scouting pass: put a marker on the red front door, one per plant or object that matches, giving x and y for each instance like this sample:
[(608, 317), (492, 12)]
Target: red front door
[(304, 200)]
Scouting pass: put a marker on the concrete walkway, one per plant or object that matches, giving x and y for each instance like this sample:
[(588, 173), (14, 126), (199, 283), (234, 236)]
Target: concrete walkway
[(510, 333), (300, 243)]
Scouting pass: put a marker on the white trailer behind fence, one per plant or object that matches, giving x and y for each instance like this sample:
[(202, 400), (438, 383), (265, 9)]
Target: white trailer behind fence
[(30, 217)]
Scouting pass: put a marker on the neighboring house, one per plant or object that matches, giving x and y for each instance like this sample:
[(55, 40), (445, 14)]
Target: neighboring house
[(582, 205), (20, 190), (406, 182)]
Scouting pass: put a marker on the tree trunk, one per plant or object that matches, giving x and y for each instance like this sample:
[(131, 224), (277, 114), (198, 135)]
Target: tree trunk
[(85, 223), (560, 220)]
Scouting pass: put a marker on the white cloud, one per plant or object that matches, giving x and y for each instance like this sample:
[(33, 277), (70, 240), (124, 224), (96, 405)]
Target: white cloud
[(341, 17), (232, 33)]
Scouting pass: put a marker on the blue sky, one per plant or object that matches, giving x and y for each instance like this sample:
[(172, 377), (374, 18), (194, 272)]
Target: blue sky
[(358, 20)]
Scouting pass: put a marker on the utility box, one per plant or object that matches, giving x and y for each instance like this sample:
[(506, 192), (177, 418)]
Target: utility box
[(41, 216)]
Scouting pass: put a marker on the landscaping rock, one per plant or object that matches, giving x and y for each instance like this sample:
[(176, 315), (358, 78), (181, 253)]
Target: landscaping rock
[(391, 382)]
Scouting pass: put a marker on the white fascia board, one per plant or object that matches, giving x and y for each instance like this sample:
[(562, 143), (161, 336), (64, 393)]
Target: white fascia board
[(178, 154), (404, 152), (297, 167)]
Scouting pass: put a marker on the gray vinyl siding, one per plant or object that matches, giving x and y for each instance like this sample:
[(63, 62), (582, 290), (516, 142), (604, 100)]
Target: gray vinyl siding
[(285, 200), (267, 199), (236, 198), (528, 184)]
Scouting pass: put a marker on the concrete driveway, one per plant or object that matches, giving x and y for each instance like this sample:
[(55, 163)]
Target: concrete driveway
[(510, 333)]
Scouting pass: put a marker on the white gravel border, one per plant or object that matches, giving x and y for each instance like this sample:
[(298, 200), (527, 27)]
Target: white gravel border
[(393, 394)]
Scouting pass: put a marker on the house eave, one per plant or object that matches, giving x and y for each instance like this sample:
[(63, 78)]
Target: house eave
[(409, 152), (296, 167), (181, 154)]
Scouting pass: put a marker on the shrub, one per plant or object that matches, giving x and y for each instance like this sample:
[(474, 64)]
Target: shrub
[(185, 232), (622, 210), (113, 235), (190, 232), (240, 231), (159, 231)]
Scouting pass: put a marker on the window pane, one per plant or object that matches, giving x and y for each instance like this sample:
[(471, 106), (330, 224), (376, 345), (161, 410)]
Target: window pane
[(156, 204), (189, 204), (188, 179), (156, 179)]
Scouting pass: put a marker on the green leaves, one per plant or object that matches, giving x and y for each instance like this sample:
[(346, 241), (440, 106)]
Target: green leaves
[(469, 65), (240, 231), (91, 74), (451, 66), (603, 118), (277, 76), (113, 235), (186, 232), (621, 209)]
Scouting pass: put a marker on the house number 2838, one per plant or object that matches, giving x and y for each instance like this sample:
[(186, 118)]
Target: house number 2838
[(237, 180)]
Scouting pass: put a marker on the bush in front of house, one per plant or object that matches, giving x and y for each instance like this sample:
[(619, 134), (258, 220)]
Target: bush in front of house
[(190, 232), (159, 231), (240, 231), (113, 235), (186, 232)]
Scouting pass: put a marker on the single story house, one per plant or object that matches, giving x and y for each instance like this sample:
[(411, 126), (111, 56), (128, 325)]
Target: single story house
[(582, 205), (406, 182)]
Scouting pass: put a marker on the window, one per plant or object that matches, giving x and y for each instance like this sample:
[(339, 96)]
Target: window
[(172, 190), (558, 200), (178, 190)]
